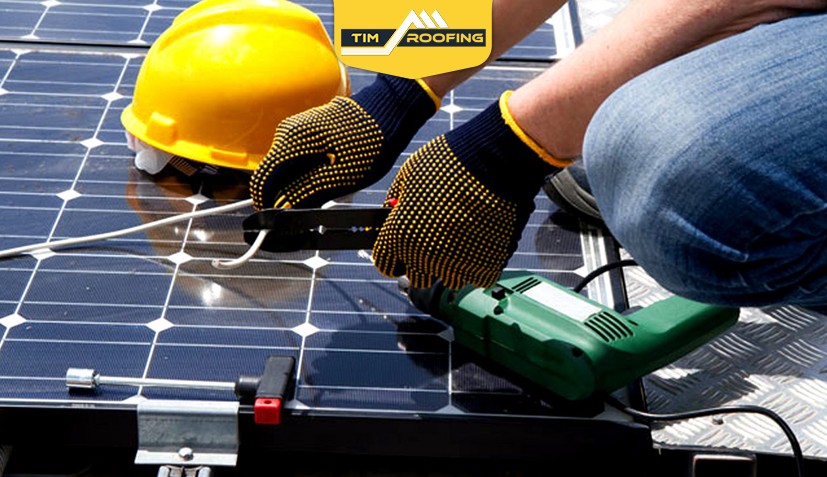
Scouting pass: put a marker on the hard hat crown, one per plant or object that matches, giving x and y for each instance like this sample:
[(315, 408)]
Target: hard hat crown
[(216, 83)]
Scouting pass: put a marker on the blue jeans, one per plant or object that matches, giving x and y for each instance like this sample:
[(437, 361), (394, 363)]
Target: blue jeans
[(711, 170)]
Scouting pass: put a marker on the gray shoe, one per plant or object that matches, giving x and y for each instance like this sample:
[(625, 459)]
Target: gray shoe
[(569, 189)]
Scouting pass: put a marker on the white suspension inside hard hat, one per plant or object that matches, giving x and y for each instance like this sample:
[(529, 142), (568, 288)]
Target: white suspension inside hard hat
[(147, 158)]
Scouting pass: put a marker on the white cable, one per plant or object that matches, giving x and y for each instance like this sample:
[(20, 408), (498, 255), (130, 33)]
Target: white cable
[(118, 233), (235, 263)]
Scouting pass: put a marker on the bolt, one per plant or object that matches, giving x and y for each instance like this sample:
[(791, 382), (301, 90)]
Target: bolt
[(185, 453)]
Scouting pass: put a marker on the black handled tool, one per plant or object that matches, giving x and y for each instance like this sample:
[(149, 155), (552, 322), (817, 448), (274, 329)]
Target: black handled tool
[(289, 230)]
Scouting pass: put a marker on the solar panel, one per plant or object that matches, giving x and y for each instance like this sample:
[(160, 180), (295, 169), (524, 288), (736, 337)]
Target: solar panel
[(140, 22), (151, 304)]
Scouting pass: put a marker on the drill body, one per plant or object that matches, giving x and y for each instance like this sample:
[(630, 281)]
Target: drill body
[(565, 342)]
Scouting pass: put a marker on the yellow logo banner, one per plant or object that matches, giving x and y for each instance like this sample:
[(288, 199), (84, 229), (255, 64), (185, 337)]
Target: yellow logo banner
[(412, 38)]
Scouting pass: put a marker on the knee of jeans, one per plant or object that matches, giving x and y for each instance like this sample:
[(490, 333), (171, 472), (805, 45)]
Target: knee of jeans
[(688, 229), (674, 175), (644, 155)]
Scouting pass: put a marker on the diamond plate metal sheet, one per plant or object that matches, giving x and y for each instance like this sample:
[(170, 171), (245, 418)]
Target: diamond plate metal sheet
[(774, 357)]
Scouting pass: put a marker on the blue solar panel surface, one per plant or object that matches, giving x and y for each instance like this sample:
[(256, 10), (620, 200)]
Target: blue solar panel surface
[(140, 22), (152, 305)]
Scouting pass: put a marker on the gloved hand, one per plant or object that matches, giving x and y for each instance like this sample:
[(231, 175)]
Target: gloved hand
[(343, 146), (461, 202)]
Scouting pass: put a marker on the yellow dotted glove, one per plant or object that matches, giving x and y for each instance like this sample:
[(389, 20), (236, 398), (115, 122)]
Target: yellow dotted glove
[(461, 201), (341, 147)]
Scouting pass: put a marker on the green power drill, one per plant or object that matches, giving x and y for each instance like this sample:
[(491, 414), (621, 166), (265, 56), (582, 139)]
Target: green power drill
[(564, 342), (553, 336)]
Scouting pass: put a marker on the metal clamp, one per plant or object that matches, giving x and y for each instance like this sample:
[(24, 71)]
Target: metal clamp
[(177, 471), (192, 433)]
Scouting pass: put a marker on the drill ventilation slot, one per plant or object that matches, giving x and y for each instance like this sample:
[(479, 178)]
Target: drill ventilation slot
[(608, 327), (526, 285)]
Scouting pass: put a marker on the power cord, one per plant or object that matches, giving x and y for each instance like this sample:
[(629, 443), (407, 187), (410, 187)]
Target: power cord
[(648, 418), (601, 270), (237, 262), (144, 227)]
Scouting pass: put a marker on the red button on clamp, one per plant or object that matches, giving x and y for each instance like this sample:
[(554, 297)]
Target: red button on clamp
[(267, 411)]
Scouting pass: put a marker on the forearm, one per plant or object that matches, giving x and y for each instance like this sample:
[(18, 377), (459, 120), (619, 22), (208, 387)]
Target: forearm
[(512, 20), (556, 107)]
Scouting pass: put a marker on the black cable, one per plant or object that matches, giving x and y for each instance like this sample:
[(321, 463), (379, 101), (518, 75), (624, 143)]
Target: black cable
[(600, 270), (647, 417)]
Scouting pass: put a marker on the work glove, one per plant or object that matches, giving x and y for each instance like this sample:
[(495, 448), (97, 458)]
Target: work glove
[(343, 146), (461, 201)]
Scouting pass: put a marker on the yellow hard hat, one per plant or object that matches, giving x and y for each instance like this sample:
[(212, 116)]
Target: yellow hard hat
[(214, 85)]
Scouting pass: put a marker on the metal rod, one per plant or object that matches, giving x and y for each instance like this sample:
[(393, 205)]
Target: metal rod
[(77, 378), (166, 383)]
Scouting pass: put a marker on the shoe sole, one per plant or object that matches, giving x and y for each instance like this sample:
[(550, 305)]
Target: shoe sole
[(564, 191)]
